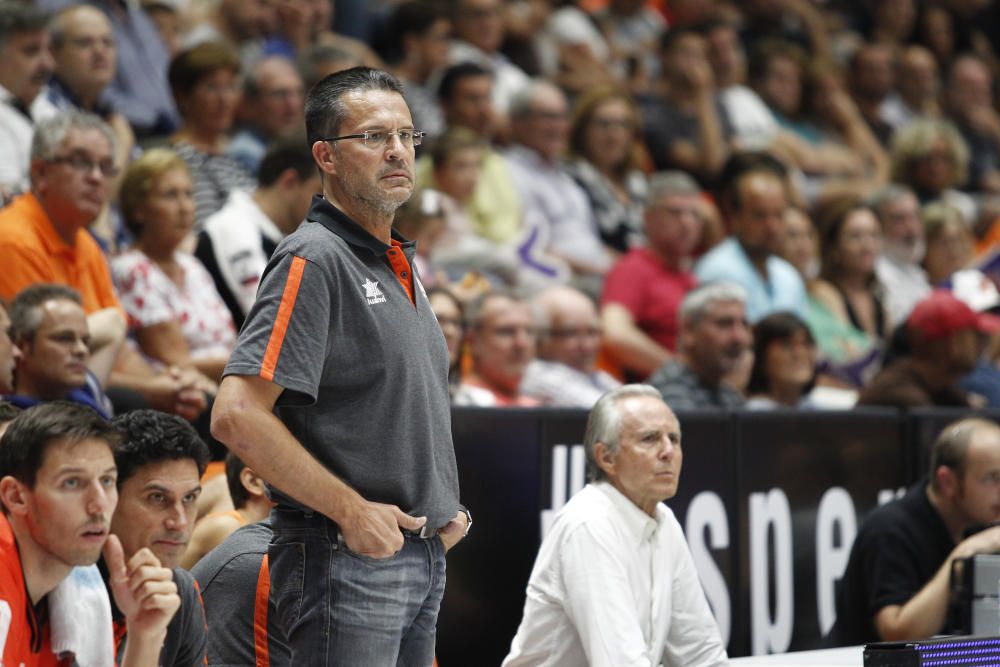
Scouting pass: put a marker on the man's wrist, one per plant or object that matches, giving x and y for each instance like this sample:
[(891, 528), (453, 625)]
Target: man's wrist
[(468, 517)]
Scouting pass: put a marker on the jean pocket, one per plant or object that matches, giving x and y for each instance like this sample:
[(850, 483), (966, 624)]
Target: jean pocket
[(342, 545), (287, 565)]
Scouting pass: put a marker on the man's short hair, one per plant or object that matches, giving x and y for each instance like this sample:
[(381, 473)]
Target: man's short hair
[(697, 302), (325, 108), (604, 423), (238, 492), (283, 155), (20, 17), (670, 38), (671, 184), (251, 80), (50, 133), (453, 140), (457, 72), (476, 307), (952, 445), (740, 165), (414, 17), (8, 411), (31, 433), (150, 436), (26, 308), (522, 102)]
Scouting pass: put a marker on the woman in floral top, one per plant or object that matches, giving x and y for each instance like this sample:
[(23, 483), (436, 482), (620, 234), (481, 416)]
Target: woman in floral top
[(175, 312)]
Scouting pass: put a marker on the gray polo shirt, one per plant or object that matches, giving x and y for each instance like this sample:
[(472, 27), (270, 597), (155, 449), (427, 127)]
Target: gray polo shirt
[(365, 370), (236, 599)]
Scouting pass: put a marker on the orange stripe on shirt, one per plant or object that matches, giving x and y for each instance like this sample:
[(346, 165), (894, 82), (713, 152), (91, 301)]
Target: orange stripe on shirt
[(260, 615), (285, 308), (197, 587)]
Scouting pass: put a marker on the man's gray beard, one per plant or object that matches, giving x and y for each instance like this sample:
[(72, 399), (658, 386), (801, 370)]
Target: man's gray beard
[(906, 254)]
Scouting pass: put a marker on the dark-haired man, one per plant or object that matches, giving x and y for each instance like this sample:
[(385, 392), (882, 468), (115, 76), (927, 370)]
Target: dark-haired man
[(160, 462), (340, 339), (57, 487), (896, 586), (58, 358), (237, 240)]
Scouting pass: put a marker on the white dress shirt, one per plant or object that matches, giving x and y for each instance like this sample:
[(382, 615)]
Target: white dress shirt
[(614, 587)]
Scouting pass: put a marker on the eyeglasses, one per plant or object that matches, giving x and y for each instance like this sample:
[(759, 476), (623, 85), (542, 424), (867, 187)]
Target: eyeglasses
[(84, 165), (379, 138)]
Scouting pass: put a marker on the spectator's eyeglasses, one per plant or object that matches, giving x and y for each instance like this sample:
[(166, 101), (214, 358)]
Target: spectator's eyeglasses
[(379, 138), (84, 165)]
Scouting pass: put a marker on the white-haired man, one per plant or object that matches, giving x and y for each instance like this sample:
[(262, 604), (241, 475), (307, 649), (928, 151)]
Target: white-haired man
[(614, 582)]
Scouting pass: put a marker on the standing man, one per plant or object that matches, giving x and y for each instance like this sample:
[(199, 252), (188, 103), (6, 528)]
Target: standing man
[(340, 337), (614, 583)]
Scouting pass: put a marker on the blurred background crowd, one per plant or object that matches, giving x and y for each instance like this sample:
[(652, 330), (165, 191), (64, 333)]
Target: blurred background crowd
[(762, 203)]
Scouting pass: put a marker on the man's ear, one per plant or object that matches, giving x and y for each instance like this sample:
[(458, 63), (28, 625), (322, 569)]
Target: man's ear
[(946, 481), (323, 155), (13, 496), (605, 458), (251, 482)]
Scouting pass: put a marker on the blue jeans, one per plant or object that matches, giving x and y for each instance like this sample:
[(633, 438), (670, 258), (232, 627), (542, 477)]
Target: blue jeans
[(341, 608)]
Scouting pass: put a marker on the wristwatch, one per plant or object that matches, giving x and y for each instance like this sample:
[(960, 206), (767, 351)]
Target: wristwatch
[(468, 515)]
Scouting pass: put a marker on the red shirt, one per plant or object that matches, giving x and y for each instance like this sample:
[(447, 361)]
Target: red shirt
[(651, 291), (24, 633)]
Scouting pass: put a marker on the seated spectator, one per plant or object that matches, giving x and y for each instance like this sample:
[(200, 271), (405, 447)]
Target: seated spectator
[(494, 209), (241, 24), (238, 239), (898, 267), (478, 32), (271, 108), (422, 218), (980, 293), (450, 315), (9, 353), (572, 52), (233, 576), (501, 339), (918, 87), (785, 364), (712, 342), (970, 102), (44, 239), (46, 530), (643, 291), (85, 55), (896, 584), (848, 290), (204, 83), (754, 198), (419, 33), (58, 360), (931, 157), (632, 31), (683, 125), (605, 163), (942, 334), (950, 244), (872, 73), (565, 373), (250, 505), (551, 198), (174, 310), (614, 582), (160, 460), (25, 65), (458, 159)]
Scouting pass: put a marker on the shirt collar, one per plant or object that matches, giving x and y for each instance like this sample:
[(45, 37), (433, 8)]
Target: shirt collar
[(640, 526), (338, 222)]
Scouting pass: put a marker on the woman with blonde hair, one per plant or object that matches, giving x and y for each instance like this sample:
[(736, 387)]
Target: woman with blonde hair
[(931, 157), (175, 312), (605, 161)]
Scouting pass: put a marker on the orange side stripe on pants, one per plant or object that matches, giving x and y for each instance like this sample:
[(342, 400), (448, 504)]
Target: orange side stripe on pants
[(285, 309), (260, 615)]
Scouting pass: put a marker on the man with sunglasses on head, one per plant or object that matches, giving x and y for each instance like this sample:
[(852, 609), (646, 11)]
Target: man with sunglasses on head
[(343, 342)]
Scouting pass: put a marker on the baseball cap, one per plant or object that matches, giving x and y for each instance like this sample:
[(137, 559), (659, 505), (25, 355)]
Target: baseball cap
[(942, 314), (976, 289)]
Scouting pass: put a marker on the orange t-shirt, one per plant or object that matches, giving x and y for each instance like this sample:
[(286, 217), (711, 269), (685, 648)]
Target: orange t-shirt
[(24, 636), (32, 252)]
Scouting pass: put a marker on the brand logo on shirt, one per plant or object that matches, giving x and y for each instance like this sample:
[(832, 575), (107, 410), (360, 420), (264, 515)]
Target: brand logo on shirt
[(372, 293)]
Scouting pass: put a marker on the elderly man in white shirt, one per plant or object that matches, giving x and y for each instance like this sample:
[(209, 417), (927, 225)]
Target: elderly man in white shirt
[(614, 584)]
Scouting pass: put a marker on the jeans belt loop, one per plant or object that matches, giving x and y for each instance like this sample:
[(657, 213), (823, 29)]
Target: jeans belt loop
[(426, 532)]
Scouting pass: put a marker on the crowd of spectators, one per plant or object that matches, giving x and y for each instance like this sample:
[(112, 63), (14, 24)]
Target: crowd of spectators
[(777, 204)]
